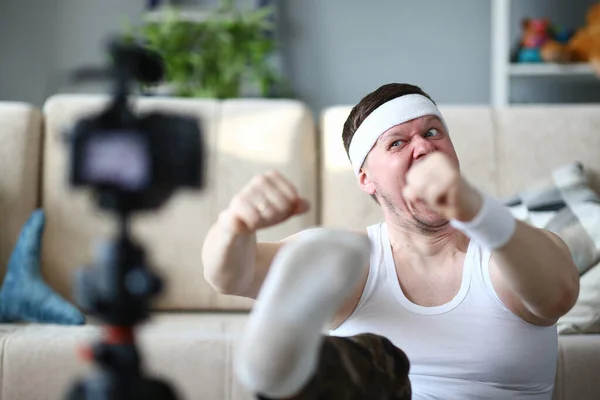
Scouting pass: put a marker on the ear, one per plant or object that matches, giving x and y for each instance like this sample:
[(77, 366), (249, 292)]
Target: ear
[(365, 183)]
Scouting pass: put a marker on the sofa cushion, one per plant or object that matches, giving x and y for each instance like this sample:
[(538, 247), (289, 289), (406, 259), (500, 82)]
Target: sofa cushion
[(577, 373), (584, 317), (562, 202), (344, 205), (534, 139), (20, 141), (193, 352), (257, 135), (243, 138), (74, 223)]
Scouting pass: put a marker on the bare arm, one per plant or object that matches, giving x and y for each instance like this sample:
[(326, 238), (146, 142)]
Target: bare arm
[(536, 267), (237, 264), (234, 263), (533, 272)]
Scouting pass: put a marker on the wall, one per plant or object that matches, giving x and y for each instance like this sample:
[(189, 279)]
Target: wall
[(42, 40), (334, 51), (26, 48), (338, 50)]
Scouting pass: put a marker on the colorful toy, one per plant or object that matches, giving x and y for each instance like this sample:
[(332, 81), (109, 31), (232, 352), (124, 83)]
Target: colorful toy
[(562, 35), (543, 42)]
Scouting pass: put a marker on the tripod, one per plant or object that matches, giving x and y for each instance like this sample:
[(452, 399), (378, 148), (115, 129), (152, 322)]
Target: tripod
[(134, 162), (118, 289)]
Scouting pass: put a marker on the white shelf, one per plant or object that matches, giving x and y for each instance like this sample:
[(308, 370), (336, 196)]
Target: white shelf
[(500, 35), (551, 70), (503, 72)]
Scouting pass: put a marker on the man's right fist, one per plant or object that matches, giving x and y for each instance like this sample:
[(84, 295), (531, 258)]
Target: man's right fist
[(268, 199)]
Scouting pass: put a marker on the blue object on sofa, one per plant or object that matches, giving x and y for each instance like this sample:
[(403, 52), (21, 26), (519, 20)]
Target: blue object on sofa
[(24, 295)]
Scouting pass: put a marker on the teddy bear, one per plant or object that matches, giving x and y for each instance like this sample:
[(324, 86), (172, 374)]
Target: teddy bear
[(585, 43)]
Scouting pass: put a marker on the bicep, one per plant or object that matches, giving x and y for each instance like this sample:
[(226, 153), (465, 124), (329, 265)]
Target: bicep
[(558, 241), (511, 300)]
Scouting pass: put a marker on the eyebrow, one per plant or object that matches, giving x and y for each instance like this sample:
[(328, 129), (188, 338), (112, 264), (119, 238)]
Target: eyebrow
[(391, 131)]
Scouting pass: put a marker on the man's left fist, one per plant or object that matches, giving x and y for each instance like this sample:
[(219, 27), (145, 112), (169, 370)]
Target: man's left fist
[(437, 182)]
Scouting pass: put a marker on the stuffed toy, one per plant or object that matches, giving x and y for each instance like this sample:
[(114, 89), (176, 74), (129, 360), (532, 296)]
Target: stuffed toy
[(24, 295), (542, 42), (585, 43)]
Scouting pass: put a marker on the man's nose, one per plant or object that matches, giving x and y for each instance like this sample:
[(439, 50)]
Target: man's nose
[(422, 147)]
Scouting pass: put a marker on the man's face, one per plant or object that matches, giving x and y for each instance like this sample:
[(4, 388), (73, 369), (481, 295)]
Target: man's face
[(395, 152)]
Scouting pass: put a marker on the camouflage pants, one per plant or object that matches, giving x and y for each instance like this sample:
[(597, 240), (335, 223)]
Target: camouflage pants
[(361, 367)]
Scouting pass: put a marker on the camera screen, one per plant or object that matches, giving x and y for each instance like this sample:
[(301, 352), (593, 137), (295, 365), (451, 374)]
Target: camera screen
[(118, 159)]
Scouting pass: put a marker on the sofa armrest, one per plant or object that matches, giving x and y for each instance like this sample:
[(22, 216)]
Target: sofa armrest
[(20, 141)]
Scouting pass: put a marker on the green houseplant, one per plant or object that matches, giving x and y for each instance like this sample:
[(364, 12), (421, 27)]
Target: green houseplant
[(218, 55)]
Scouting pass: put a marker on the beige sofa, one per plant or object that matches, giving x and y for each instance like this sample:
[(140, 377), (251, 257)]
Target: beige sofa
[(192, 334)]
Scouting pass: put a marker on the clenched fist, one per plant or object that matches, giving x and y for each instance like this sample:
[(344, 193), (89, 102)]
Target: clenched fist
[(268, 199), (437, 182)]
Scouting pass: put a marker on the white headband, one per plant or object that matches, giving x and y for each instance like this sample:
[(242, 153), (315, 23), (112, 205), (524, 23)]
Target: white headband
[(394, 112)]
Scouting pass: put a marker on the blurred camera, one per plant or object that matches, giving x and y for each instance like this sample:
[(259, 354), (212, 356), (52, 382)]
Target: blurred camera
[(135, 161)]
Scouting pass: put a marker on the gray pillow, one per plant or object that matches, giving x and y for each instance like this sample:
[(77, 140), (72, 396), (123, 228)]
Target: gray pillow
[(564, 203), (584, 317)]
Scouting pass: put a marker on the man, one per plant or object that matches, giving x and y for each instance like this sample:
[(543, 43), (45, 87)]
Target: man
[(449, 298)]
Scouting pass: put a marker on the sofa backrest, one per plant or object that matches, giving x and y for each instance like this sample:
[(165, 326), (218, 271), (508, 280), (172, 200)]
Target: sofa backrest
[(243, 138), (500, 151), (533, 139), (20, 139)]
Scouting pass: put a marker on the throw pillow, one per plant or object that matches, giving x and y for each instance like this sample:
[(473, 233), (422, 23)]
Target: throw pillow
[(584, 317), (564, 203), (24, 295)]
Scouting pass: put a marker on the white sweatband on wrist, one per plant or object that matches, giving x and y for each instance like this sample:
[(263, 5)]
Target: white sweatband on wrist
[(492, 227), (394, 112)]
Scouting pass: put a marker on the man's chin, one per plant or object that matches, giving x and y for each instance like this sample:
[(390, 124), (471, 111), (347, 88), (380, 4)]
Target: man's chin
[(431, 223), (429, 219)]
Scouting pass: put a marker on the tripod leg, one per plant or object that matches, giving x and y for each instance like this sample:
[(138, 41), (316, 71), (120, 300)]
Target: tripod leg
[(77, 392), (154, 389)]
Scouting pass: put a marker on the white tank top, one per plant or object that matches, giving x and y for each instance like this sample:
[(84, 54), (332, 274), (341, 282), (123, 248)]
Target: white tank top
[(472, 347)]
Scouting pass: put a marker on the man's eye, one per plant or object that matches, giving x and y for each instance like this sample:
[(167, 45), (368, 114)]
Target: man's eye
[(397, 143), (432, 132)]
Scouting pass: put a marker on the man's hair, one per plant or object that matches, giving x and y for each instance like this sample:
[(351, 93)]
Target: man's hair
[(372, 101)]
